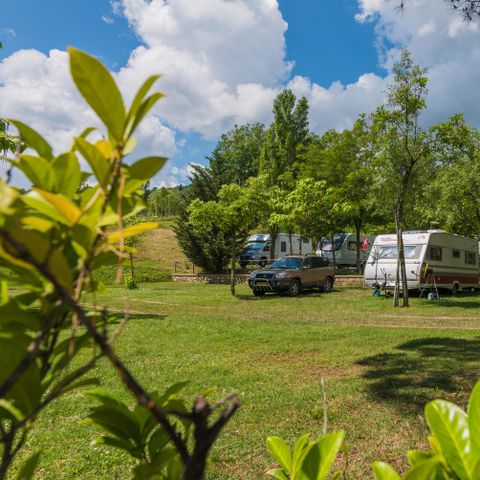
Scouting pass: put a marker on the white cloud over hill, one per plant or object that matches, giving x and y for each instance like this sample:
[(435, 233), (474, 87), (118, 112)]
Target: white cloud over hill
[(224, 62)]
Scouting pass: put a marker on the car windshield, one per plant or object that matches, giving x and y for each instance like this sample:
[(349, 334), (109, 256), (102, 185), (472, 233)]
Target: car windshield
[(287, 263), (337, 239), (254, 246)]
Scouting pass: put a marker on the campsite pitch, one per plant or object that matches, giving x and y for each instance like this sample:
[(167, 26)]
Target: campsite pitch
[(380, 366)]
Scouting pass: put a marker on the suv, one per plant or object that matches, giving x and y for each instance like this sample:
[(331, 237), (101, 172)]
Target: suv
[(292, 274)]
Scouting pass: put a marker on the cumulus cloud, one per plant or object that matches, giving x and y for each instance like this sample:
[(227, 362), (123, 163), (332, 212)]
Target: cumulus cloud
[(439, 40)]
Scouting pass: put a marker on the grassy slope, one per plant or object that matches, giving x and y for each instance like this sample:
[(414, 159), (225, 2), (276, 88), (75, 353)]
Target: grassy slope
[(157, 251), (380, 366)]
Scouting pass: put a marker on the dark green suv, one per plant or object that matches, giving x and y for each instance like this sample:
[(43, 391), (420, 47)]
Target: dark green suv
[(292, 274)]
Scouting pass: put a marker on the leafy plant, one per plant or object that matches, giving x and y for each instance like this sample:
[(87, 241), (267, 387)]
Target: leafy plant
[(53, 240), (310, 459), (455, 444)]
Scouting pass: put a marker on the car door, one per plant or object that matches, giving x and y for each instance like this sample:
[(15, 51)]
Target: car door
[(321, 268), (308, 273)]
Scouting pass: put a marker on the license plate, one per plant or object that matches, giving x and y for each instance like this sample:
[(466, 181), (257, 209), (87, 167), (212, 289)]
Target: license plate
[(262, 284)]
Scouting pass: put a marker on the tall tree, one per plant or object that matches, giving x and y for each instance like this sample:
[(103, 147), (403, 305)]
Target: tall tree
[(457, 186), (288, 130), (404, 149)]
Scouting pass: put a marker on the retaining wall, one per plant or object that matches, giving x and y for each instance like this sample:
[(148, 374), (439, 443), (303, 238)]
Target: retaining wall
[(224, 279)]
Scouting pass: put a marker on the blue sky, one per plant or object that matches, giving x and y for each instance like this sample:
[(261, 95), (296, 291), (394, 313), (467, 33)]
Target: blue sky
[(225, 61)]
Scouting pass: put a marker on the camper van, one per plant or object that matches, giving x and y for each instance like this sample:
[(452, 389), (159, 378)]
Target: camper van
[(431, 257), (345, 245), (257, 248)]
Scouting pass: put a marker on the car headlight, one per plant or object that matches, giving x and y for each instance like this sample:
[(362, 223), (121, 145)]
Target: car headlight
[(281, 275)]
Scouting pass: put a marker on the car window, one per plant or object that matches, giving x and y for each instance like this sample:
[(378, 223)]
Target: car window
[(318, 262), (287, 263), (308, 263)]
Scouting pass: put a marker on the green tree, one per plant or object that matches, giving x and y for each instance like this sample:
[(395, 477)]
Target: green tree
[(404, 151), (237, 211), (287, 132), (457, 186)]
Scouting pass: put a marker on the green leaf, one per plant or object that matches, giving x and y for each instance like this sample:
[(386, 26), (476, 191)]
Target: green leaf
[(474, 420), (33, 139), (280, 451), (99, 89), (146, 168), (321, 456), (142, 111), (417, 456), (158, 441), (449, 423), (428, 470), (37, 170), (9, 411), (277, 473), (140, 95), (300, 450), (95, 158), (3, 293), (67, 174), (383, 471), (28, 468)]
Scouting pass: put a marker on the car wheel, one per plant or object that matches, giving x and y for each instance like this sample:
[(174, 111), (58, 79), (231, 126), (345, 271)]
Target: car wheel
[(328, 285), (294, 288), (258, 293)]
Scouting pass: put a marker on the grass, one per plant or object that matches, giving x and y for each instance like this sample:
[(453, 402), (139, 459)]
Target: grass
[(380, 366)]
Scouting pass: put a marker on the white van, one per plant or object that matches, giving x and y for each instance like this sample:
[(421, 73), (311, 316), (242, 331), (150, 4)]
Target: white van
[(451, 260), (345, 245), (257, 248)]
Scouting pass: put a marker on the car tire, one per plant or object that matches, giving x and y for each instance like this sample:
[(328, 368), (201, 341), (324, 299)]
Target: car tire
[(294, 288), (327, 285), (258, 293)]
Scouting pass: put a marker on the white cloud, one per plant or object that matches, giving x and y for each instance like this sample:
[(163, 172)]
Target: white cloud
[(439, 40)]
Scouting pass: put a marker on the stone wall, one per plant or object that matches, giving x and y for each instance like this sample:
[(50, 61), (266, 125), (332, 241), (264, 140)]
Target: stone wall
[(224, 279)]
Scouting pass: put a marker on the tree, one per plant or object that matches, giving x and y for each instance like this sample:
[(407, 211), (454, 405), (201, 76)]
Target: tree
[(237, 211), (457, 185), (343, 160), (234, 160), (404, 150), (288, 130)]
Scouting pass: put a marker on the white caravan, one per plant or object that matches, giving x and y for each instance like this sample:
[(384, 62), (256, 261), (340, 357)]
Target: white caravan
[(257, 248), (431, 255), (345, 245)]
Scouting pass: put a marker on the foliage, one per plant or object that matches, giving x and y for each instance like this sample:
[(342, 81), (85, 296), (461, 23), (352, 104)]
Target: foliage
[(454, 446), (237, 211), (310, 460), (164, 202), (130, 281), (287, 132), (404, 150), (53, 239)]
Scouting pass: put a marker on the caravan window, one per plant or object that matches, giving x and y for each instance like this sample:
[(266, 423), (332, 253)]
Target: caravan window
[(410, 251), (470, 258), (434, 253), (283, 246), (456, 253)]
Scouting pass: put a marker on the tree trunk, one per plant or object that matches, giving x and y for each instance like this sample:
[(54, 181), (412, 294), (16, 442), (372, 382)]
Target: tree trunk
[(132, 271), (290, 242), (396, 291), (232, 270), (357, 231), (403, 272), (273, 240), (334, 260)]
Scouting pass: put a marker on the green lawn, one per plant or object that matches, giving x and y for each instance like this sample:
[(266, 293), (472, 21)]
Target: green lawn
[(380, 366)]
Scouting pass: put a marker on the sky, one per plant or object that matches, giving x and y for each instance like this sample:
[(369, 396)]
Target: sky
[(224, 61)]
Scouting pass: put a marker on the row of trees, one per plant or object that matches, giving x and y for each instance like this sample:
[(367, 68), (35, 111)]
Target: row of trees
[(386, 173)]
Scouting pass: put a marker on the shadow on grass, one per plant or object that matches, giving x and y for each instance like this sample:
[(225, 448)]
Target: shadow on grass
[(269, 296), (424, 369)]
